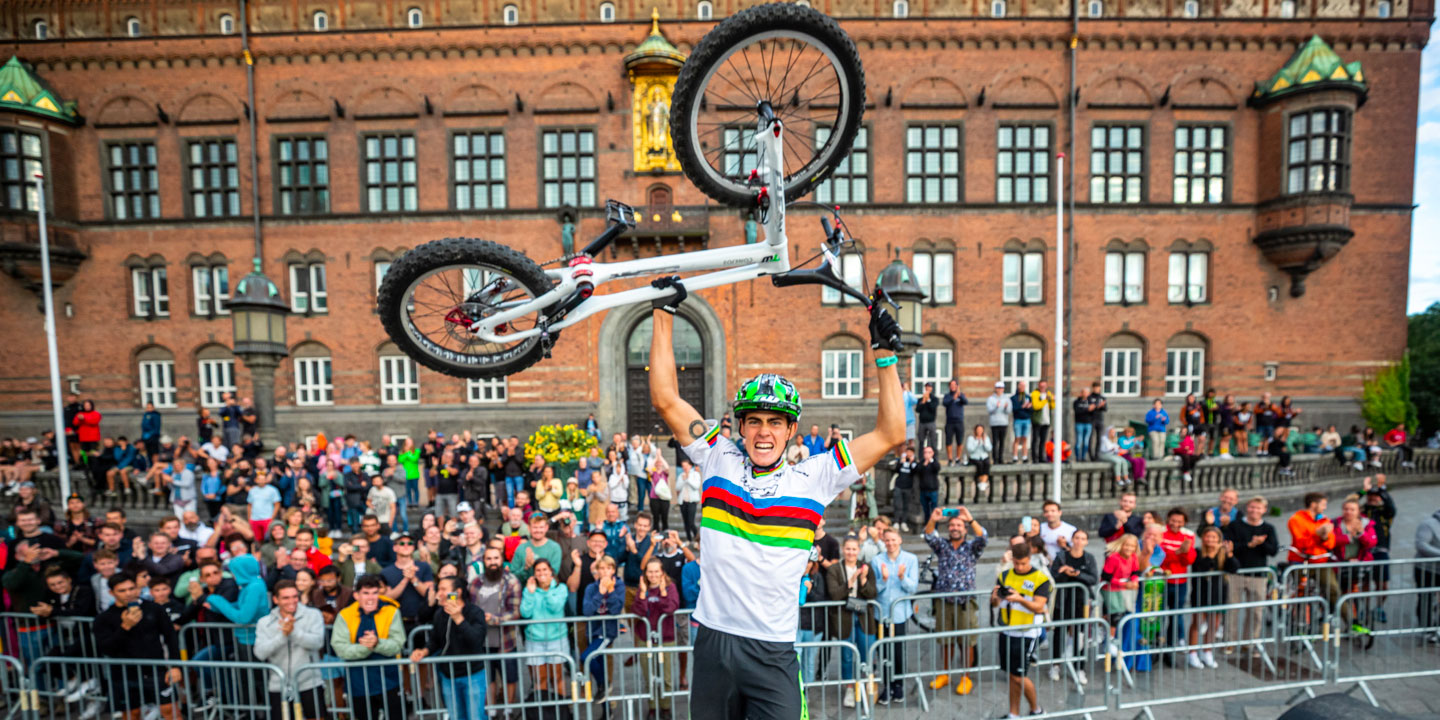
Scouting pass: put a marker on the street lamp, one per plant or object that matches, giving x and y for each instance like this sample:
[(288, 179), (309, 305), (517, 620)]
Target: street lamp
[(258, 314), (899, 281)]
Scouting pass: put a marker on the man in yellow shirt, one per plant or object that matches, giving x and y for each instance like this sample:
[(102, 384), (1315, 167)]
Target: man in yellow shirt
[(1042, 407), (1021, 593)]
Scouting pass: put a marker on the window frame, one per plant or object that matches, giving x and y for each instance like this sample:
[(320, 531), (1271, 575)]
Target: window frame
[(1227, 167), (840, 387), (320, 21), (149, 194), (215, 302), (163, 395), (1189, 255), (314, 189), (559, 180), (705, 10), (1112, 382), (834, 298), (510, 14), (1015, 151), (414, 18), (40, 29), (383, 185), (900, 9), (918, 379), (940, 175), (206, 192), (26, 165), (1180, 385), (601, 12), (1187, 12), (309, 268), (844, 171), (1022, 285), (927, 279), (1107, 175), (133, 27), (157, 275), (322, 365), (205, 388), (470, 182), (998, 8), (399, 380), (1126, 256), (1090, 9), (1341, 165), (1384, 9), (1035, 360), (224, 18), (498, 390), (1287, 9)]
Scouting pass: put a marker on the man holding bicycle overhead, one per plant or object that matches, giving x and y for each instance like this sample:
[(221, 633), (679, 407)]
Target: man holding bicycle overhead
[(759, 516)]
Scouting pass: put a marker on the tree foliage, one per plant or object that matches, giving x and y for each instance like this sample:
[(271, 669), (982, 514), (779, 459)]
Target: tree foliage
[(1385, 400), (1424, 345)]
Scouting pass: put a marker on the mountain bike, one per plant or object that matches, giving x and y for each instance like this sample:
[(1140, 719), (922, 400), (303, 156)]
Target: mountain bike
[(766, 107)]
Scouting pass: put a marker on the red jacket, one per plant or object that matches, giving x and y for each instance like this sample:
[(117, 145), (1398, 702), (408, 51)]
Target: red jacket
[(87, 426), (1305, 545), (1175, 561), (1367, 540)]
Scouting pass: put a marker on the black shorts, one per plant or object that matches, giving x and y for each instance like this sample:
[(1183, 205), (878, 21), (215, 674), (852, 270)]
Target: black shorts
[(1016, 654), (507, 670), (1380, 572), (312, 704), (745, 678), (955, 433), (982, 467), (135, 687)]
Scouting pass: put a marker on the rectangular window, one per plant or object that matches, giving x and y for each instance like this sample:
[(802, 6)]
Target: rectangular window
[(390, 183), (936, 274), (841, 373), (850, 183), (1019, 365), (21, 158), (313, 382), (157, 383), (302, 169), (486, 391), (217, 377), (1318, 155), (151, 290), (1022, 274), (851, 272), (740, 153), (214, 180), (1189, 272), (212, 289), (381, 268), (933, 366), (1184, 370), (134, 181), (399, 383), (932, 164), (478, 163), (1120, 372), (1117, 164), (1124, 277), (1200, 164), (307, 288), (567, 162), (1022, 164)]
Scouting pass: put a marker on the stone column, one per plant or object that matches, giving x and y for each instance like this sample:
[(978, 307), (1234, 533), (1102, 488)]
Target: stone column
[(262, 383)]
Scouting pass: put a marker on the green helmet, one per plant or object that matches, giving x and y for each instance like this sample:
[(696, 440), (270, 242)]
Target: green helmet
[(768, 391)]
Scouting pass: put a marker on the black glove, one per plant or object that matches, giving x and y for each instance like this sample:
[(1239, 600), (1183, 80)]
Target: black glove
[(672, 302), (884, 331)]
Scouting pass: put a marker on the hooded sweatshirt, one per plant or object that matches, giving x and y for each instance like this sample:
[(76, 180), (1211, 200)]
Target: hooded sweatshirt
[(289, 652), (1427, 537), (254, 601)]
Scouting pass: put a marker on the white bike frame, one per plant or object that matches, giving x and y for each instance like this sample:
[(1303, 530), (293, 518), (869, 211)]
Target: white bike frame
[(739, 262)]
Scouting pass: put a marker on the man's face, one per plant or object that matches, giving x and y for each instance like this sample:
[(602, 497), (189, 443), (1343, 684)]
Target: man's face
[(288, 599), (159, 544), (1254, 511), (170, 527), (766, 434), (473, 536), (954, 386), (58, 584), (28, 523), (204, 553), (1051, 513), (1020, 387), (1084, 392), (957, 529), (612, 513), (370, 527), (362, 547), (538, 527), (110, 537), (596, 544), (1022, 565), (1041, 387), (642, 527), (1319, 506), (126, 593), (298, 559), (329, 581), (493, 559), (404, 547), (1127, 503), (1229, 499), (1175, 522), (75, 505), (191, 519), (105, 567), (113, 516), (892, 542), (211, 576), (369, 598)]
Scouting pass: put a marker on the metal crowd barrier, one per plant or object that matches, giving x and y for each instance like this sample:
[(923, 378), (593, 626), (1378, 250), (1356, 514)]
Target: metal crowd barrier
[(1366, 651), (69, 687), (1330, 580), (27, 636), (1155, 666)]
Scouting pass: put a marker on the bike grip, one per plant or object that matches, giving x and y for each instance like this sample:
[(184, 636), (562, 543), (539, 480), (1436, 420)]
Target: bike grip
[(825, 225)]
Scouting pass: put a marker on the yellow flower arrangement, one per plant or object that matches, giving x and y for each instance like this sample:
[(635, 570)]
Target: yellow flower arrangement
[(559, 443)]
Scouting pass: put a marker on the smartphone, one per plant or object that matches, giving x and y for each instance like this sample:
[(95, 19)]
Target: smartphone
[(1025, 524), (452, 597), (950, 512), (135, 603)]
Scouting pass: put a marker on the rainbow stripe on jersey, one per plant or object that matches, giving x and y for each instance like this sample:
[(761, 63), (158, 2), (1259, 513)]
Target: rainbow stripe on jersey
[(711, 436), (782, 522)]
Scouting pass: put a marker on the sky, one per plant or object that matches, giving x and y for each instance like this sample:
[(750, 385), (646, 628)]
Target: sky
[(1425, 233)]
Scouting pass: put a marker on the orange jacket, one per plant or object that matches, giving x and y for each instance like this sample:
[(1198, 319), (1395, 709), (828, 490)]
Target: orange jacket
[(1305, 546)]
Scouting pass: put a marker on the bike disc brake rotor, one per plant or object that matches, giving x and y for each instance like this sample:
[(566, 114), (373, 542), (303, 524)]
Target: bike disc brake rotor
[(804, 83), (441, 305)]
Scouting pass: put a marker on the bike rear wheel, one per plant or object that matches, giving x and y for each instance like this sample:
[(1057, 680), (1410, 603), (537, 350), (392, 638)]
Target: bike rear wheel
[(433, 293), (794, 58)]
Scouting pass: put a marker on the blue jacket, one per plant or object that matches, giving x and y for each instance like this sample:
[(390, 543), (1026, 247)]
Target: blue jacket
[(1157, 420), (898, 585), (150, 425), (690, 584), (124, 457), (254, 601), (612, 604)]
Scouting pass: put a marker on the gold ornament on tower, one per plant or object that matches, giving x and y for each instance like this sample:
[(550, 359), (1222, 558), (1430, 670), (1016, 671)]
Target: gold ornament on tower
[(652, 70)]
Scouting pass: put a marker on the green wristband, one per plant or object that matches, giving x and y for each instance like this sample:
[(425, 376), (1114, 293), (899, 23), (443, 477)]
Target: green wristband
[(886, 361)]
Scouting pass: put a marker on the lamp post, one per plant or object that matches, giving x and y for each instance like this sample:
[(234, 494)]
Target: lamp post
[(258, 314), (899, 282)]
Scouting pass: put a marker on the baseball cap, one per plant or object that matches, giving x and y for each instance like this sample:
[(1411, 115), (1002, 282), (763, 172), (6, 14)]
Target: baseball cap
[(32, 440), (1000, 383), (537, 515), (28, 484), (463, 507)]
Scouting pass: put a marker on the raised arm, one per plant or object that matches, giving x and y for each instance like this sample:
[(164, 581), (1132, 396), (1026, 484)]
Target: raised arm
[(684, 421), (868, 449)]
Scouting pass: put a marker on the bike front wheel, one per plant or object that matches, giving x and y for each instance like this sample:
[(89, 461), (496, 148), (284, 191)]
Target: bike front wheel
[(433, 293), (793, 58)]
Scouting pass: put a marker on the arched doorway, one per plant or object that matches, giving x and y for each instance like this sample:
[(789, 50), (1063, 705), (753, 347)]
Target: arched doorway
[(641, 417)]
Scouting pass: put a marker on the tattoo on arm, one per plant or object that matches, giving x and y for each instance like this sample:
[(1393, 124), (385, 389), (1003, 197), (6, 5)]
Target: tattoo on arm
[(697, 429)]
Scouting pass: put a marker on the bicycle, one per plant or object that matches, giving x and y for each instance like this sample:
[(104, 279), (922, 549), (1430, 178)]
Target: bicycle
[(781, 76)]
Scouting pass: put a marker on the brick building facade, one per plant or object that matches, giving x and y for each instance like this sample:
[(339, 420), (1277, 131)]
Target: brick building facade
[(1187, 269)]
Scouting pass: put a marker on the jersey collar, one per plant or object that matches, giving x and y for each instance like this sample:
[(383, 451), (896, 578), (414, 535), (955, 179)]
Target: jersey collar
[(760, 472)]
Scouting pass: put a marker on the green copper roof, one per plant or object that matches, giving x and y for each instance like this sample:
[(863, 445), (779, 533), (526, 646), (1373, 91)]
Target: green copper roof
[(21, 90), (655, 48), (1314, 65)]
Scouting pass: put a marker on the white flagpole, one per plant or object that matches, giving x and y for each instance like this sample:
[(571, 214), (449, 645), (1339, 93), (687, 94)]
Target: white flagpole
[(1057, 413), (62, 452)]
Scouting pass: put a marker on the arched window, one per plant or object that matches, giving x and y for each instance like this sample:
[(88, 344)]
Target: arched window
[(1383, 9), (1184, 365), (1125, 272), (803, 3), (216, 365), (132, 27), (1192, 8), (42, 29), (399, 377), (842, 362), (704, 10), (934, 362), (227, 24), (321, 20), (149, 286), (1022, 272), (210, 284), (414, 17), (607, 12), (997, 8), (511, 15), (1287, 8), (1096, 8), (156, 367), (1120, 367), (1189, 272), (314, 382), (1021, 360), (901, 8)]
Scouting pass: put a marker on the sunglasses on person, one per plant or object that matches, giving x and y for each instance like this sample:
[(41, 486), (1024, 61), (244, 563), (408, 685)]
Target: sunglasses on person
[(399, 543)]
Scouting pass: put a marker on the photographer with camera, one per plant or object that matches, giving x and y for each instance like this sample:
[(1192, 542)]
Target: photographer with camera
[(1021, 593), (957, 556), (459, 630)]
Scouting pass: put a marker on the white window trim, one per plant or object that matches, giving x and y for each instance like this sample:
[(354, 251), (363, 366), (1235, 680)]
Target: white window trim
[(1033, 362), (510, 15), (1186, 287), (1384, 9), (1124, 277), (704, 10), (604, 7), (316, 301), (320, 21), (1113, 384), (1096, 8), (487, 392), (211, 393), (415, 18), (852, 272), (1180, 385), (997, 8), (900, 8), (42, 30), (1023, 291), (939, 285), (399, 381), (157, 383), (944, 365), (1287, 8), (227, 19), (205, 281), (840, 386), (1191, 9), (159, 300), (316, 391), (132, 27), (381, 268)]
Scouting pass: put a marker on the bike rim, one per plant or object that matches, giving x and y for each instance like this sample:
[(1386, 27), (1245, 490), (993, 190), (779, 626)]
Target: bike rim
[(439, 306), (798, 75)]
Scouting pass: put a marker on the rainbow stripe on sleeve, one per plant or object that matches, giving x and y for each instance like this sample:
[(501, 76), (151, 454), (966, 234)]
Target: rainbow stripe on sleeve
[(841, 452), (711, 436), (783, 522)]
